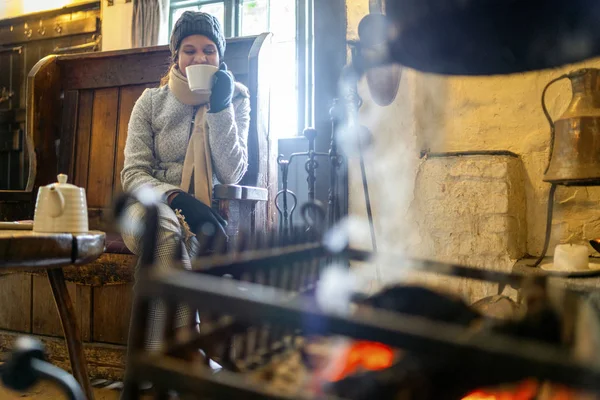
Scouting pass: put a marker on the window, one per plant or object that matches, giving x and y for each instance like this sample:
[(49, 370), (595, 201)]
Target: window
[(290, 111), (216, 8)]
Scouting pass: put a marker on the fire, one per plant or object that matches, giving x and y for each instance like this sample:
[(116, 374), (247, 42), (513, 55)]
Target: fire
[(374, 356), (370, 356), (526, 390)]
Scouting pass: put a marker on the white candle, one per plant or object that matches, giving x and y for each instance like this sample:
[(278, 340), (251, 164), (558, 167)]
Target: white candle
[(571, 257)]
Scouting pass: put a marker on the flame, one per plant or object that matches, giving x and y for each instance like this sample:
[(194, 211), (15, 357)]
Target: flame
[(373, 356), (370, 356)]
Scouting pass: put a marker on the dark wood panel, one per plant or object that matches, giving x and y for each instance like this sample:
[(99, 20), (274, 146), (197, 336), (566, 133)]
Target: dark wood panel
[(19, 78), (102, 147), (112, 310), (104, 71), (5, 76), (43, 120), (68, 133), (15, 298), (128, 97), (131, 69), (31, 55), (44, 313), (82, 140), (73, 41), (46, 47)]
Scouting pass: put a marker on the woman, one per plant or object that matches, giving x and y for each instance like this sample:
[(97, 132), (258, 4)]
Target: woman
[(159, 151)]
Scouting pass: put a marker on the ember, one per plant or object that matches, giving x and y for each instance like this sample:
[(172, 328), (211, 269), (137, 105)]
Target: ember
[(526, 390)]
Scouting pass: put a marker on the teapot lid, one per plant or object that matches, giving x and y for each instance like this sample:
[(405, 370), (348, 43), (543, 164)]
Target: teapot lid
[(62, 182)]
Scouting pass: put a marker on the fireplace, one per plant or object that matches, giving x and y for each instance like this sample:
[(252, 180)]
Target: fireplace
[(262, 307)]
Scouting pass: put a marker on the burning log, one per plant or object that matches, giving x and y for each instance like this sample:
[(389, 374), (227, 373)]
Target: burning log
[(426, 376)]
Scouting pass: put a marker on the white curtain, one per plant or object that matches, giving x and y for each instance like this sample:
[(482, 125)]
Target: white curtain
[(145, 26), (165, 29)]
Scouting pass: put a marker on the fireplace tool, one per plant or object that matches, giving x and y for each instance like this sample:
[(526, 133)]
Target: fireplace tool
[(259, 305), (574, 156), (26, 365), (286, 213)]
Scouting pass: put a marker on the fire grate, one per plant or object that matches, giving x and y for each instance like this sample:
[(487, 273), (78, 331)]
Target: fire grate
[(259, 303)]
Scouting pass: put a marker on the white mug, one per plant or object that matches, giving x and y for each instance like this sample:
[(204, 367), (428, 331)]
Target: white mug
[(200, 77)]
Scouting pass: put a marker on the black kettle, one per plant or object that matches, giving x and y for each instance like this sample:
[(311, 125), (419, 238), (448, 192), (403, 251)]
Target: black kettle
[(488, 37)]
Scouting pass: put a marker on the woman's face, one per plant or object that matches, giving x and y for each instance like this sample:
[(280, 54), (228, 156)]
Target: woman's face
[(197, 49)]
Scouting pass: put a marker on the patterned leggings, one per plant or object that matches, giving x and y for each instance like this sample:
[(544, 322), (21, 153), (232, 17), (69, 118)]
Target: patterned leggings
[(169, 237)]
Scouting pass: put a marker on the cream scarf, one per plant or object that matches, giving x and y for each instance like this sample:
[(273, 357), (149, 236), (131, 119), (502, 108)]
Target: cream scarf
[(198, 160)]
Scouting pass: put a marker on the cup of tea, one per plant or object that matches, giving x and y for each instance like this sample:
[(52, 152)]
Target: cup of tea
[(200, 77)]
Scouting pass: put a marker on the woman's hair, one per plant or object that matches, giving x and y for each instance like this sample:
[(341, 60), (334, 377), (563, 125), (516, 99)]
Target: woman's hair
[(165, 79)]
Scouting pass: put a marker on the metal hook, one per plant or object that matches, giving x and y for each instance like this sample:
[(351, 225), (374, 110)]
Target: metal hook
[(316, 221), (285, 216)]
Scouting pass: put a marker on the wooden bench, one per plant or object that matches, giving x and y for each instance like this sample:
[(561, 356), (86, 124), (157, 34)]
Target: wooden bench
[(78, 109)]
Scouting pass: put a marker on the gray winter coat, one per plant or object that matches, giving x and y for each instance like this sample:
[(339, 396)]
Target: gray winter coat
[(158, 135)]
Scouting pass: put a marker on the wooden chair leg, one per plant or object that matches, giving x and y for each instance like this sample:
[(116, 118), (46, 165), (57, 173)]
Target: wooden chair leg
[(70, 329)]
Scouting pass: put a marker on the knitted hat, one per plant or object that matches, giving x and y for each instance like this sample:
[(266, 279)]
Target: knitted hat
[(197, 23)]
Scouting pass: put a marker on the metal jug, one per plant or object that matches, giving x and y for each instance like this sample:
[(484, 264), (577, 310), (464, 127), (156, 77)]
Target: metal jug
[(574, 157)]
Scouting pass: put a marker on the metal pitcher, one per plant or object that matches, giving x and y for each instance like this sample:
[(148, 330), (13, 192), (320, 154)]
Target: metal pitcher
[(574, 157)]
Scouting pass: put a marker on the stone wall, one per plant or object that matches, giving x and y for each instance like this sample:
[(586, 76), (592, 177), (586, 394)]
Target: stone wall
[(457, 114), (504, 113), (471, 210)]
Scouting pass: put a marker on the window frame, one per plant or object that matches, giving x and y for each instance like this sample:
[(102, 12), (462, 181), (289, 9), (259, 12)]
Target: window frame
[(231, 15), (320, 65), (304, 47)]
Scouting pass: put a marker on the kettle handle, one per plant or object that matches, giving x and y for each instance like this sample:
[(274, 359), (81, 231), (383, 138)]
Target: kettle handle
[(549, 118)]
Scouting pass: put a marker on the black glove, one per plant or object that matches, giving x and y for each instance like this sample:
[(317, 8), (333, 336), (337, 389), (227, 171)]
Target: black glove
[(222, 90), (197, 214)]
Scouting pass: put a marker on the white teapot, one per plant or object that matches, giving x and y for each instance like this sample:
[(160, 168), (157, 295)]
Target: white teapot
[(61, 207)]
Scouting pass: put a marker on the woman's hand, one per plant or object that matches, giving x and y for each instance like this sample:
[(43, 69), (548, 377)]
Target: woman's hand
[(222, 90), (197, 214)]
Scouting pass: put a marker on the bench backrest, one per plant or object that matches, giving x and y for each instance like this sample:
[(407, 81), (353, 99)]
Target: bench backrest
[(78, 109)]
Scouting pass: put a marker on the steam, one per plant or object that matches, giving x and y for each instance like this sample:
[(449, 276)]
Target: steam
[(391, 139), (335, 289)]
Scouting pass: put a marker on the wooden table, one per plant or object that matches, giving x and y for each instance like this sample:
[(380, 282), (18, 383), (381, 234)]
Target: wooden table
[(27, 250)]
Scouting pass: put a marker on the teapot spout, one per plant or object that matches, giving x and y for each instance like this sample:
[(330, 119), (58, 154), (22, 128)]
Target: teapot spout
[(57, 203)]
